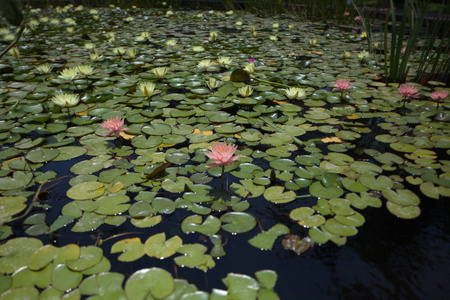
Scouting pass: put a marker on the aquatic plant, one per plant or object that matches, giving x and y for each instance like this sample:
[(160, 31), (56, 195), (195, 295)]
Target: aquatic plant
[(114, 126)]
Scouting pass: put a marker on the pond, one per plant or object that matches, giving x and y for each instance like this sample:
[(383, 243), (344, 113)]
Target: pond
[(173, 154)]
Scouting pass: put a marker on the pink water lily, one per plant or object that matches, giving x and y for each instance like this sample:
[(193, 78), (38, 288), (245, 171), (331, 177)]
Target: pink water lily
[(408, 91), (222, 154), (114, 126), (342, 85), (439, 95)]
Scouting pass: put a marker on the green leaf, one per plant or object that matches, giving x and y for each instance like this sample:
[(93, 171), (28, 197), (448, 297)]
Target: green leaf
[(86, 190), (237, 222), (241, 287), (266, 239), (132, 249), (276, 194), (157, 245), (193, 223), (16, 253)]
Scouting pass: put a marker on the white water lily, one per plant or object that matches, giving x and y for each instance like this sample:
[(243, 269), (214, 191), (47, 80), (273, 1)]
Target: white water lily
[(119, 51), (14, 52), (85, 70), (213, 36), (204, 64), (198, 49), (212, 83), (69, 73), (131, 52), (66, 100), (44, 68), (160, 72), (245, 90), (171, 43), (89, 46), (224, 61), (250, 68), (147, 88), (294, 92), (346, 54), (70, 30)]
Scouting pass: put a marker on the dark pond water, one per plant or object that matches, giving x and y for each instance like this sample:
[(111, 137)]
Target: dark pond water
[(390, 258)]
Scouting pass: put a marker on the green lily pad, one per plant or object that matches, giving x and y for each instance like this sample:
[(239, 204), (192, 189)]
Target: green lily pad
[(194, 257), (317, 189), (89, 256), (157, 245), (154, 282), (340, 229), (376, 183), (132, 249), (11, 205), (64, 278), (16, 253), (404, 212), (305, 217), (276, 194), (241, 287), (86, 190), (237, 222), (266, 239), (401, 197), (104, 285), (193, 223), (18, 180), (112, 204)]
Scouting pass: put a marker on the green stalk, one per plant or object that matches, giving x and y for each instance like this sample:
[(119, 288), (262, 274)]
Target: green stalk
[(222, 178)]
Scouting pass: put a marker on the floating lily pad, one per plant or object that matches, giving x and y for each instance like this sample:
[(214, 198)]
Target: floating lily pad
[(276, 194), (157, 245), (237, 222), (156, 282), (86, 190)]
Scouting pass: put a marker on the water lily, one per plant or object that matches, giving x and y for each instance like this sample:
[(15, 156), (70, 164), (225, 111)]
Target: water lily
[(131, 52), (114, 126), (357, 19), (14, 52), (291, 26), (69, 74), (294, 92), (204, 64), (224, 61), (89, 46), (44, 68), (346, 54), (245, 90), (85, 70), (160, 72), (408, 92), (313, 42), (198, 49), (222, 154), (364, 56), (147, 88), (250, 68), (70, 30), (213, 36), (273, 37), (66, 100), (119, 51), (342, 85), (438, 96), (171, 43), (212, 83)]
